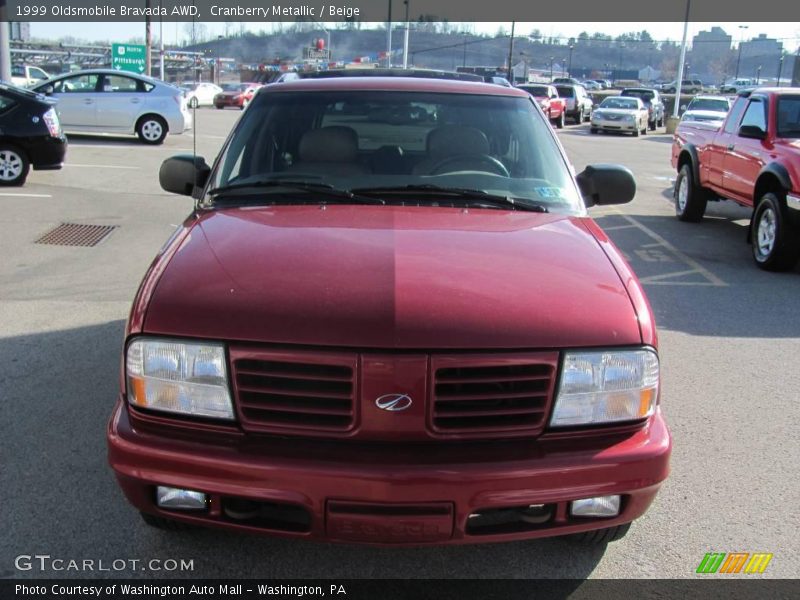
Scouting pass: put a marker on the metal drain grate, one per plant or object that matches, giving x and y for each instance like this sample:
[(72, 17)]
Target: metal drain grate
[(76, 234)]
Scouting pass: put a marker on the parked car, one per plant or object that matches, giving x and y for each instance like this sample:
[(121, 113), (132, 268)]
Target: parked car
[(734, 86), (237, 95), (566, 81), (688, 86), (754, 160), (621, 114), (709, 109), (604, 83), (547, 97), (579, 104), (591, 85), (110, 101), (27, 76), (200, 94), (652, 102), (30, 135), (375, 399)]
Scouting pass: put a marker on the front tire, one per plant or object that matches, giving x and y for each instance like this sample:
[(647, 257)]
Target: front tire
[(593, 130), (560, 121), (579, 117), (601, 536), (690, 198), (775, 241), (14, 166), (152, 130), (193, 103)]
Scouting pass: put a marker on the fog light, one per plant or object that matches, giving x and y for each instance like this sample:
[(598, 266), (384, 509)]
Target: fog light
[(601, 506), (176, 498)]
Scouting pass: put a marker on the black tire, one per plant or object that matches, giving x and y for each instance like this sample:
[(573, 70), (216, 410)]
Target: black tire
[(660, 122), (219, 107), (644, 129), (164, 524), (652, 124), (593, 130), (775, 239), (636, 132), (671, 90), (152, 130), (560, 121), (193, 103), (579, 117), (601, 536), (692, 207), (14, 165)]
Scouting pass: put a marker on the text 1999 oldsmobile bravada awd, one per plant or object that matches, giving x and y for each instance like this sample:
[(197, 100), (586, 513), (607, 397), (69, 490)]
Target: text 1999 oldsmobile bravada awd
[(390, 320)]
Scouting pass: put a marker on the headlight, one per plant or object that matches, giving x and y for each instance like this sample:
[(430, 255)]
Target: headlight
[(630, 117), (189, 378), (606, 387)]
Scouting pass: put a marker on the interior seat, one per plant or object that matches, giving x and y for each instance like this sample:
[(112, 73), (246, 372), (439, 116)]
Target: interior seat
[(328, 151), (451, 140)]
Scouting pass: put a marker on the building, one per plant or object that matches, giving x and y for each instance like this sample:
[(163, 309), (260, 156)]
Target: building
[(708, 47), (760, 57)]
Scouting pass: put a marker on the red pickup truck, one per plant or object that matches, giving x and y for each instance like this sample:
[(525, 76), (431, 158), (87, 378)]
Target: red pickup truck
[(752, 159), (553, 106), (389, 319)]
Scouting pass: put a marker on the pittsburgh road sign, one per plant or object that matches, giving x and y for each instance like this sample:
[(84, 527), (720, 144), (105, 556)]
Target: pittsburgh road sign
[(128, 57)]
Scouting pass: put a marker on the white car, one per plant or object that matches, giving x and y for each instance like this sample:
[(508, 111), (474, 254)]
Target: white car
[(708, 109), (622, 114), (25, 76), (117, 102), (200, 94), (734, 86)]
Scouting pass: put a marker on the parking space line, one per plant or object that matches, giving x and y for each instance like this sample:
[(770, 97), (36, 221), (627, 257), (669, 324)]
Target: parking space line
[(20, 195), (696, 267), (102, 166), (617, 227)]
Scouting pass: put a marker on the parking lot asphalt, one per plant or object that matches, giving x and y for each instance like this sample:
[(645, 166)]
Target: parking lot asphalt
[(728, 333)]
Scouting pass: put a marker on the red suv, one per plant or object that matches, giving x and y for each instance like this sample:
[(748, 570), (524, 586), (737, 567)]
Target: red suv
[(390, 320)]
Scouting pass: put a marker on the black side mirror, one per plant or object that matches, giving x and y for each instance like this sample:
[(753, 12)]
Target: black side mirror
[(606, 184), (184, 174), (752, 131)]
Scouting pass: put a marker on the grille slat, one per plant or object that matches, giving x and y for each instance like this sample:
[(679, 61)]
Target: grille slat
[(292, 396), (479, 401)]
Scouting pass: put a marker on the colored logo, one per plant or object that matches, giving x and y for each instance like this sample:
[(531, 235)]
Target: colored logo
[(734, 562)]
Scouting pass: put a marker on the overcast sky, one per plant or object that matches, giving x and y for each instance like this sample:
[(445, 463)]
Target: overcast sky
[(174, 32)]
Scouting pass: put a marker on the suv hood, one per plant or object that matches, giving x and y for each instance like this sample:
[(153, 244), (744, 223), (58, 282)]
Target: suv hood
[(392, 277)]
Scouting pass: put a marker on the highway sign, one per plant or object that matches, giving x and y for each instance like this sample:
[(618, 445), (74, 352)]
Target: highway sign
[(128, 57)]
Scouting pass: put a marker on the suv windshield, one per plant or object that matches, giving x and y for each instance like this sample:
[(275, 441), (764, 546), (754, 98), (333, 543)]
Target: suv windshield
[(395, 147), (715, 104)]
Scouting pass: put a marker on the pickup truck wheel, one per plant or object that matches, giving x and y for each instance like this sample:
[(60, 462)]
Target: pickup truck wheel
[(637, 132), (560, 121), (165, 524), (775, 243), (579, 117), (601, 536), (652, 124), (690, 198)]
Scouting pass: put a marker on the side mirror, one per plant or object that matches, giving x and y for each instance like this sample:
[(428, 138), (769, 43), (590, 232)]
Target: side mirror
[(184, 174), (47, 90), (606, 184), (752, 131)]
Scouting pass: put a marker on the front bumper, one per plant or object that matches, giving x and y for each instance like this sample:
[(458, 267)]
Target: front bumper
[(614, 125), (390, 493), (221, 102)]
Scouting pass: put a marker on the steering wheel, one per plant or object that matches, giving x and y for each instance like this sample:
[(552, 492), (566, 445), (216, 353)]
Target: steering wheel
[(470, 159)]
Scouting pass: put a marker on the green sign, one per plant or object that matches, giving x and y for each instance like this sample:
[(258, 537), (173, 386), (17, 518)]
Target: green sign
[(128, 57)]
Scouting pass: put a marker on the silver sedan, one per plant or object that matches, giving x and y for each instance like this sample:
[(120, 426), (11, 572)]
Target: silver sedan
[(108, 101), (622, 114)]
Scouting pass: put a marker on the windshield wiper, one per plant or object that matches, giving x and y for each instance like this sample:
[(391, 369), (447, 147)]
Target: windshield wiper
[(312, 187), (461, 193)]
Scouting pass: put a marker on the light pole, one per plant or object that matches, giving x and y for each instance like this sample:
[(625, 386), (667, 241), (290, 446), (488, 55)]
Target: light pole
[(511, 55), (219, 60), (741, 39), (405, 37), (569, 69), (758, 75), (551, 68), (161, 44), (619, 62), (564, 67), (780, 69), (389, 36)]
